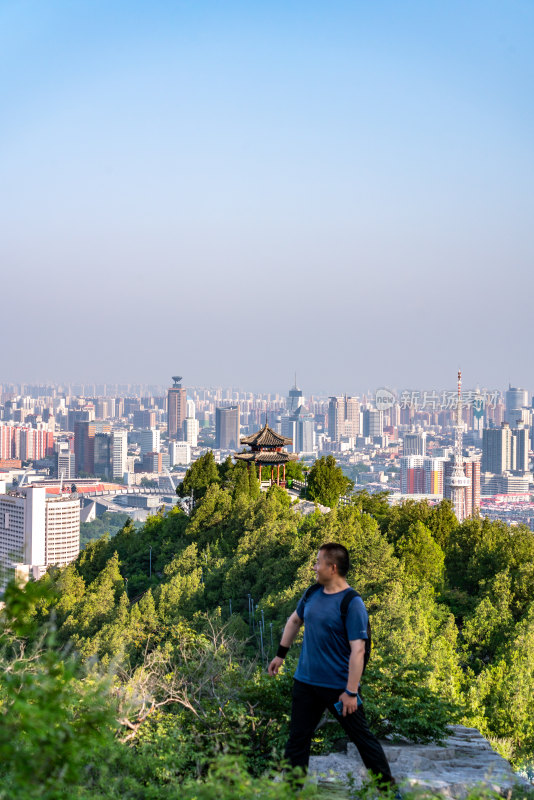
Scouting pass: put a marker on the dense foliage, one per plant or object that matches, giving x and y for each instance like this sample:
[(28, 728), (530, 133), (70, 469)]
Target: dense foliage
[(150, 650), (327, 482), (110, 522)]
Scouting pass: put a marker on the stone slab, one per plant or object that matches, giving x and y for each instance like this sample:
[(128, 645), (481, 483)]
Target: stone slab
[(466, 760)]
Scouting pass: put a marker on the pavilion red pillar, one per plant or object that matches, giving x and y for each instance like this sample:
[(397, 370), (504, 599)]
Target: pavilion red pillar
[(260, 474), (278, 474), (284, 478)]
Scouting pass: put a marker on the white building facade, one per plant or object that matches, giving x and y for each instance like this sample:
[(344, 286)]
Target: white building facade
[(37, 530)]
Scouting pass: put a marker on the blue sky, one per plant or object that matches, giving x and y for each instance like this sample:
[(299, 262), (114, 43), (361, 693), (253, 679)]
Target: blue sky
[(237, 190)]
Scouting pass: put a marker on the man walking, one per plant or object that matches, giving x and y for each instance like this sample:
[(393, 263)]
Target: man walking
[(330, 664)]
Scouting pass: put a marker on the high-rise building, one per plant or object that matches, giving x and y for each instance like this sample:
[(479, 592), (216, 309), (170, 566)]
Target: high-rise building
[(497, 449), (288, 428), (516, 400), (144, 418), (37, 530), (151, 462), (65, 462), (414, 444), (373, 422), (304, 442), (179, 453), (149, 441), (344, 417), (421, 475), (119, 453), (24, 442), (227, 427), (84, 447), (102, 455), (191, 408), (336, 418), (176, 409), (295, 398), (190, 431), (84, 444), (352, 417), (521, 442)]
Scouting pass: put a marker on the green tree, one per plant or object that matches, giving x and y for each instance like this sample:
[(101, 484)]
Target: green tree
[(52, 716), (295, 471), (423, 558), (253, 482), (327, 483), (200, 475)]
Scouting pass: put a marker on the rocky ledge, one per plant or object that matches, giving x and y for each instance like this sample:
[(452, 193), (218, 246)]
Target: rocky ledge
[(464, 761)]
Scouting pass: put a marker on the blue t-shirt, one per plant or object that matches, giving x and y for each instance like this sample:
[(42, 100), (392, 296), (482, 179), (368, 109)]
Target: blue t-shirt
[(324, 658)]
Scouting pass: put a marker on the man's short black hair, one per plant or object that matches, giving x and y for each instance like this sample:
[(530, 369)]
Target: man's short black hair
[(337, 554)]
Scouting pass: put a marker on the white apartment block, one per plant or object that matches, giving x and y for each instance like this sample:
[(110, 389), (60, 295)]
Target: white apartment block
[(191, 428), (179, 453), (149, 441), (37, 530), (119, 453)]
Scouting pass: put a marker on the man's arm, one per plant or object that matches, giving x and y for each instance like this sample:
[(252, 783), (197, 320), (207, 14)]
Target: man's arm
[(289, 635), (357, 652)]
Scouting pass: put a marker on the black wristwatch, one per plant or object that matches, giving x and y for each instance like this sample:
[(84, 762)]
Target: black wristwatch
[(351, 694)]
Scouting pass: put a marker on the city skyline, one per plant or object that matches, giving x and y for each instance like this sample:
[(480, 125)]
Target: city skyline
[(419, 395), (361, 171)]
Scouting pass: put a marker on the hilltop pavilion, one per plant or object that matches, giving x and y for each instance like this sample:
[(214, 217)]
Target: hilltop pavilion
[(266, 450)]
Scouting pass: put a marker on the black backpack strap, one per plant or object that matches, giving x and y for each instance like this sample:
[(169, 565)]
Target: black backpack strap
[(311, 590), (345, 603)]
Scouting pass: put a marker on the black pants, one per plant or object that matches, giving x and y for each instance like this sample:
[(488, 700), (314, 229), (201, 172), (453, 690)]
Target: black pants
[(309, 703)]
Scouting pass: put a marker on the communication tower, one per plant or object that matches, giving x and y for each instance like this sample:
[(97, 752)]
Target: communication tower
[(457, 481)]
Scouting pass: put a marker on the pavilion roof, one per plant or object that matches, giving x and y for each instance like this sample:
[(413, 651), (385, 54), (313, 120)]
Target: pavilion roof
[(266, 437), (267, 457)]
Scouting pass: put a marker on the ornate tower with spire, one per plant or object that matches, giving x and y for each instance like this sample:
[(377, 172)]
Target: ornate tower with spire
[(457, 481)]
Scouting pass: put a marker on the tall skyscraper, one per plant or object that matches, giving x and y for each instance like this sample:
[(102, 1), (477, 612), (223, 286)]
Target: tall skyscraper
[(414, 444), (119, 453), (520, 438), (102, 455), (84, 451), (84, 444), (516, 400), (497, 449), (304, 443), (336, 418), (65, 462), (227, 427), (352, 417), (343, 417), (149, 441), (295, 398), (373, 422), (457, 481), (190, 430), (176, 408)]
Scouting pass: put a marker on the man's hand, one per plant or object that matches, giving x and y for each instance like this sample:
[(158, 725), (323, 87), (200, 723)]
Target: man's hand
[(275, 665), (350, 704)]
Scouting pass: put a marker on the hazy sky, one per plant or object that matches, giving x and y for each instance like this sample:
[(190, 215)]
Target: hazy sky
[(234, 190)]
